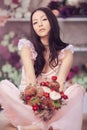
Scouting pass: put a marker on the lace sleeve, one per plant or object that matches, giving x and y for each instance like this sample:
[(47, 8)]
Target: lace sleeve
[(62, 54), (25, 42), (70, 47)]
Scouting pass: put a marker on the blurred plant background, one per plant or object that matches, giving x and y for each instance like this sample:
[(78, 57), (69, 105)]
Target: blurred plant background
[(10, 65), (69, 8), (78, 74)]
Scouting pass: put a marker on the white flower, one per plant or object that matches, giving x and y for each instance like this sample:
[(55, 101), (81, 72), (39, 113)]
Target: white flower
[(27, 15), (19, 9), (4, 42), (73, 2), (46, 89), (25, 3), (3, 12), (55, 95), (18, 15), (7, 68), (11, 34), (24, 10), (7, 2), (11, 48), (6, 37), (13, 6)]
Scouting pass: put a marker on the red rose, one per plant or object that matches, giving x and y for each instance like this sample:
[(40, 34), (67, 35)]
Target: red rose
[(28, 98), (35, 108), (61, 93), (54, 78), (65, 96), (46, 94), (42, 84), (47, 83)]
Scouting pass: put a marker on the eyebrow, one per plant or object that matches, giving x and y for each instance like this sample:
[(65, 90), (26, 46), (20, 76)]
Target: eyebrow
[(41, 17)]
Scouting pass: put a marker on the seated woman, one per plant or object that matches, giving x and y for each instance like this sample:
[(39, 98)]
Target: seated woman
[(45, 56)]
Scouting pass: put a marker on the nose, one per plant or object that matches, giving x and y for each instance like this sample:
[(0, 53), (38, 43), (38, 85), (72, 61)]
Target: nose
[(40, 23)]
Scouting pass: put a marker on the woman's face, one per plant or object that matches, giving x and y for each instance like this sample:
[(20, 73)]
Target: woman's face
[(41, 24)]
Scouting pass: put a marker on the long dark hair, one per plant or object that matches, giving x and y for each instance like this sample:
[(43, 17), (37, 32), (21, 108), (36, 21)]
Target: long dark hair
[(55, 43)]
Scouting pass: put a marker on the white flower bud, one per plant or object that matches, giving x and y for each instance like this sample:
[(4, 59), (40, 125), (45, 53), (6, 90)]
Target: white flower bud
[(55, 95), (46, 89)]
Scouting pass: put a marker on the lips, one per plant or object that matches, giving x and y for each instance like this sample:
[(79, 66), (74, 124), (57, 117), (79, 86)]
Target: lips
[(41, 30)]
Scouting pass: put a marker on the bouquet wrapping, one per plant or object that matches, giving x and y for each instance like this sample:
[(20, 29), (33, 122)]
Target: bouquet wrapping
[(44, 98)]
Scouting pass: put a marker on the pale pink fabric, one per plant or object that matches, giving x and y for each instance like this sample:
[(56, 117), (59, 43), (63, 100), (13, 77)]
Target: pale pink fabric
[(25, 42), (69, 117)]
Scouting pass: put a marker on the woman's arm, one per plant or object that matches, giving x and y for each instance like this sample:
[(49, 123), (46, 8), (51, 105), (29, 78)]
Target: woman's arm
[(65, 68), (28, 64)]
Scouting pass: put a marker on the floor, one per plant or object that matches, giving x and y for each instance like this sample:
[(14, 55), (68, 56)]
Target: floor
[(4, 125)]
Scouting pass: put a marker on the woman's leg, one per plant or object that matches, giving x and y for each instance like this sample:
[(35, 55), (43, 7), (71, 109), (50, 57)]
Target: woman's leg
[(9, 127), (51, 128), (31, 127), (15, 110), (72, 111)]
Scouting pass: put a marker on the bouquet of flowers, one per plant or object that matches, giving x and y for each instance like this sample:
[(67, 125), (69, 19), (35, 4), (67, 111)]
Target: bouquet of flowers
[(44, 98)]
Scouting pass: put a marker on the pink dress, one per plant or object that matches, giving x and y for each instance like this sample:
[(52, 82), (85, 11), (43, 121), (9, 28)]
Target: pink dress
[(69, 117)]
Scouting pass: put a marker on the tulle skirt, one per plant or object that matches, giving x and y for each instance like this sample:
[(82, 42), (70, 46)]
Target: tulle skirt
[(69, 117)]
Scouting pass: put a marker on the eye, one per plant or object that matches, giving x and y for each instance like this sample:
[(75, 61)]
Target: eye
[(34, 23), (44, 19)]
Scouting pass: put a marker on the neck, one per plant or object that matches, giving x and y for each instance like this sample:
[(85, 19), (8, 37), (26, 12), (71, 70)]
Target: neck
[(47, 48), (45, 41)]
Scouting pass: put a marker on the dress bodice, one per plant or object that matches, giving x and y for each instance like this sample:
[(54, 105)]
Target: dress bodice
[(42, 76)]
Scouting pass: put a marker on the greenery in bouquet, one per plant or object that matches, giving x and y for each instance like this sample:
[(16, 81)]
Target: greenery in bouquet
[(9, 58), (44, 98)]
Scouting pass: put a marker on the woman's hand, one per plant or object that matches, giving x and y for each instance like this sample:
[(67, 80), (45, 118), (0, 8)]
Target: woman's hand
[(44, 115), (51, 128), (61, 88)]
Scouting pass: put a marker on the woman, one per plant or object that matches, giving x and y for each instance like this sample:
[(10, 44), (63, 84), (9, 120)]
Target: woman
[(45, 56)]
